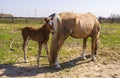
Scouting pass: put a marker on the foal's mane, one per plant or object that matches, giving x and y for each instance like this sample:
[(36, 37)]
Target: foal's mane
[(44, 27)]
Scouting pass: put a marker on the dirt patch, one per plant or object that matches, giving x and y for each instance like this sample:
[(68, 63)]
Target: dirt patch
[(107, 65), (74, 68)]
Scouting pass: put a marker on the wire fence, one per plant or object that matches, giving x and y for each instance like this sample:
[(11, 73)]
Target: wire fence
[(21, 20), (41, 20), (109, 20)]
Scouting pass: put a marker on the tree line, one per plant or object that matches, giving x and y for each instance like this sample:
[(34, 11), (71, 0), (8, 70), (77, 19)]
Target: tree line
[(113, 18)]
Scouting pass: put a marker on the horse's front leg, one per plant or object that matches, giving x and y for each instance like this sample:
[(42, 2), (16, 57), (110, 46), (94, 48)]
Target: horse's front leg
[(60, 43), (39, 53), (84, 47), (57, 64), (46, 49)]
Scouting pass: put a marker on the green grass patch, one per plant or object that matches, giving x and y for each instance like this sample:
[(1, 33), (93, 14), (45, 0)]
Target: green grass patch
[(110, 39)]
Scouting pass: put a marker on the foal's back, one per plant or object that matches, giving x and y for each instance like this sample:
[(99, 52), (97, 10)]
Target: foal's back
[(36, 34)]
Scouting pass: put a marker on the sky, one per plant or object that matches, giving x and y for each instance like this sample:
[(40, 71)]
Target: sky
[(43, 8)]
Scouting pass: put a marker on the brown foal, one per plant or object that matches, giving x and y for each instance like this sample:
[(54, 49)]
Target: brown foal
[(40, 35)]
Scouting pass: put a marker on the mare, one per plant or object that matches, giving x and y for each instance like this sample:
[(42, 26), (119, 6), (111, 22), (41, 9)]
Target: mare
[(80, 26)]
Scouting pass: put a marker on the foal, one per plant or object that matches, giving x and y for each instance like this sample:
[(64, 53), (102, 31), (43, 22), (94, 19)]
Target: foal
[(40, 35)]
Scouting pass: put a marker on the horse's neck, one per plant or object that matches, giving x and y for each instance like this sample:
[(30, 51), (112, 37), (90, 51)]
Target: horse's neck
[(44, 29)]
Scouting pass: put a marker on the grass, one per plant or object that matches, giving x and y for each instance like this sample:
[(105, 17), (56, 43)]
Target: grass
[(110, 35), (6, 36), (109, 46)]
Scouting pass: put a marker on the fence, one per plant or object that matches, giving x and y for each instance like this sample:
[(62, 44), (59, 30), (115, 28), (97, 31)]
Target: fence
[(109, 20), (41, 20), (21, 20)]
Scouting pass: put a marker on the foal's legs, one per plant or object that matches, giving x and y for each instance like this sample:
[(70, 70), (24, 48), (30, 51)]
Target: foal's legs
[(25, 43), (84, 47), (39, 53), (46, 49)]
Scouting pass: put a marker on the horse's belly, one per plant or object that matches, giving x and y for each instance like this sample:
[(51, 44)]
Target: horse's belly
[(80, 33)]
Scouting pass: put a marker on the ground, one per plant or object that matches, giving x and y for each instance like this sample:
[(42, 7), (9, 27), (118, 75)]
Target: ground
[(72, 68), (106, 65)]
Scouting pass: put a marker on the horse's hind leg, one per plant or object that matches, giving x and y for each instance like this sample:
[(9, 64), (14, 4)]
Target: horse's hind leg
[(97, 41), (93, 47), (84, 47), (25, 43), (96, 46)]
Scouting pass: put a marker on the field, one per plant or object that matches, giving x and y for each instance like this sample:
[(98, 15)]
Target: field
[(107, 64)]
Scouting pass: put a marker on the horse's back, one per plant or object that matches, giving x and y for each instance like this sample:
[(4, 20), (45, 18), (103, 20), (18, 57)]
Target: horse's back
[(81, 25)]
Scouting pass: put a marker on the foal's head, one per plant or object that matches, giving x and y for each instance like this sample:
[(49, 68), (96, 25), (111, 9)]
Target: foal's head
[(50, 25)]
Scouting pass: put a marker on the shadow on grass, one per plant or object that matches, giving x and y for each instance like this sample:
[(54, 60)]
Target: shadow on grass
[(15, 71)]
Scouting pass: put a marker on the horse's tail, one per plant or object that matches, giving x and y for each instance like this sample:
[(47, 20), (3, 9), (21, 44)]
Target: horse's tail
[(13, 31), (97, 25), (54, 44), (98, 36), (16, 29)]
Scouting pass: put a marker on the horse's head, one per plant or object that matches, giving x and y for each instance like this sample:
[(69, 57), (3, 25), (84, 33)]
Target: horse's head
[(50, 23)]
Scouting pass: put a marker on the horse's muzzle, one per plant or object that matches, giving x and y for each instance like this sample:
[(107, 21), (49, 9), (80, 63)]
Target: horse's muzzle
[(52, 31)]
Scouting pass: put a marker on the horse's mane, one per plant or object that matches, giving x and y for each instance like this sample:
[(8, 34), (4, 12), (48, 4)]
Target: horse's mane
[(54, 46)]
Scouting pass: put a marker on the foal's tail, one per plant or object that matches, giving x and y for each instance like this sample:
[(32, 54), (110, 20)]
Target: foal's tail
[(13, 31), (16, 29)]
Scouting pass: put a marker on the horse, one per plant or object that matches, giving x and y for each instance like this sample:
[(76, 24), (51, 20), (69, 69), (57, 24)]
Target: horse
[(40, 35), (80, 26)]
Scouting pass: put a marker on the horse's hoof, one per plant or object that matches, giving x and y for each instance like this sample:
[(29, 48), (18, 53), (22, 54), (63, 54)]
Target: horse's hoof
[(38, 66), (95, 53), (83, 57), (92, 59), (26, 61), (57, 67)]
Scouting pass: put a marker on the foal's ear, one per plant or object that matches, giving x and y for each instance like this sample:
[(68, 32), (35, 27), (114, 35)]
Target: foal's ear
[(47, 19)]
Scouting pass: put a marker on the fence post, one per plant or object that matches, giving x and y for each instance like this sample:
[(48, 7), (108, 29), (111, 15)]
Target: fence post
[(26, 20), (112, 19), (0, 18), (41, 20), (12, 19)]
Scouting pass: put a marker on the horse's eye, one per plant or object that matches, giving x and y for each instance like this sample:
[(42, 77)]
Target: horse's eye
[(51, 23)]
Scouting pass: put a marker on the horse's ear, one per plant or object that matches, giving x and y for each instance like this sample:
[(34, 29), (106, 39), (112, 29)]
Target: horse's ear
[(47, 19), (52, 16)]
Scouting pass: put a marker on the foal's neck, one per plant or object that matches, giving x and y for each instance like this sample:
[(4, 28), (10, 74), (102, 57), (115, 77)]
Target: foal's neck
[(44, 29)]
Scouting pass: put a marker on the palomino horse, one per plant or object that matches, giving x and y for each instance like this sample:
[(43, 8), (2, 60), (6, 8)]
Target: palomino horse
[(40, 35), (76, 25)]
